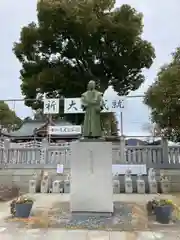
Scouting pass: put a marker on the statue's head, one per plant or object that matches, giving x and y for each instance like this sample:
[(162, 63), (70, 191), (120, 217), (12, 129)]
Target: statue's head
[(91, 85)]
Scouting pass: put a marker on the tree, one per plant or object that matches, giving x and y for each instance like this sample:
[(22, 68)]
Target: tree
[(8, 118), (154, 131), (78, 40), (163, 97)]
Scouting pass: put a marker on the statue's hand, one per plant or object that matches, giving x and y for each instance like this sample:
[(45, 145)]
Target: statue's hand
[(98, 109), (83, 107)]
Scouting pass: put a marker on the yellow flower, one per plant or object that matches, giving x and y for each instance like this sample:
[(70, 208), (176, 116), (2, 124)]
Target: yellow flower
[(169, 201)]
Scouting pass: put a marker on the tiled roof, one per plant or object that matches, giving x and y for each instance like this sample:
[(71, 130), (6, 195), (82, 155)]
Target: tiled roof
[(28, 127)]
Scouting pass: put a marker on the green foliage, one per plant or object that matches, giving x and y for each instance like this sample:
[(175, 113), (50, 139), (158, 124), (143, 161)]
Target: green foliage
[(163, 97), (8, 118), (75, 41)]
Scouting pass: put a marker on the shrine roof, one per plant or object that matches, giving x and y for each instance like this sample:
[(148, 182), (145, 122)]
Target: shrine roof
[(28, 127)]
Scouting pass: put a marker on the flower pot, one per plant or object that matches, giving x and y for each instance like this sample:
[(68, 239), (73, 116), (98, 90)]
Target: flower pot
[(22, 210), (163, 214)]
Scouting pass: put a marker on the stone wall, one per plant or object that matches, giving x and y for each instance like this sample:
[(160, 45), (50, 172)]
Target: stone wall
[(174, 177), (21, 177)]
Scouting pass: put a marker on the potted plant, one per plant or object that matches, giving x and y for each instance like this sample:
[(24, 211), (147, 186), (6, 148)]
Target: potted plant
[(21, 207), (162, 209)]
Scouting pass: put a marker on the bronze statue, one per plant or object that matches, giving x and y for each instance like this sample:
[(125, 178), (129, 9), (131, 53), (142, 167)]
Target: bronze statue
[(92, 104)]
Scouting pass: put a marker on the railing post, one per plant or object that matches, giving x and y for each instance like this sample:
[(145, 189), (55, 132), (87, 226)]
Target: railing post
[(6, 152), (165, 151), (44, 149), (122, 149)]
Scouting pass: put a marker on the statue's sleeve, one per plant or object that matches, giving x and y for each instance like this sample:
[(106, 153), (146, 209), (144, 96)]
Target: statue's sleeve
[(101, 101), (83, 102)]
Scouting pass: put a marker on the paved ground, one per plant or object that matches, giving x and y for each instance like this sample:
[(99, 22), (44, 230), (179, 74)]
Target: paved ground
[(138, 198), (46, 202), (84, 235)]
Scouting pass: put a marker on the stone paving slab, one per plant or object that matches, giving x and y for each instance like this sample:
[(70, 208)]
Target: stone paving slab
[(30, 234), (123, 197), (46, 201)]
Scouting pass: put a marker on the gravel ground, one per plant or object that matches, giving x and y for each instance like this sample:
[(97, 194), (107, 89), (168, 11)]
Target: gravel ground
[(60, 217), (126, 217), (120, 220)]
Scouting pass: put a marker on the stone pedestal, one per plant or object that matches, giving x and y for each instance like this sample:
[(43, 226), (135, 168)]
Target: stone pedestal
[(32, 186), (91, 177), (128, 182), (116, 186), (66, 186), (128, 185), (165, 185), (45, 184), (152, 186), (62, 186), (56, 186), (152, 181), (140, 185)]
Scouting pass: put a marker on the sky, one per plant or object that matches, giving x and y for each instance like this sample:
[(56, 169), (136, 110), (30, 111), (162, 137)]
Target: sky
[(161, 23)]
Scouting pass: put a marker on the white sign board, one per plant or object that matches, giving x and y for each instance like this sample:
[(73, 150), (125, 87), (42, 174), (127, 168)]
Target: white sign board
[(60, 168), (73, 105), (51, 106), (65, 130), (135, 169)]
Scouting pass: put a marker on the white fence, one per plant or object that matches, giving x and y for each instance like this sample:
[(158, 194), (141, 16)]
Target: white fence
[(40, 154)]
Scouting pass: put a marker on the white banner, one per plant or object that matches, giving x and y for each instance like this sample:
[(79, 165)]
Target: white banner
[(65, 130), (135, 169), (73, 105), (51, 106), (60, 168)]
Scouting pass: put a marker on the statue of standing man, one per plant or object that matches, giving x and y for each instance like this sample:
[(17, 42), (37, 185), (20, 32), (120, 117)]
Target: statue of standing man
[(92, 104)]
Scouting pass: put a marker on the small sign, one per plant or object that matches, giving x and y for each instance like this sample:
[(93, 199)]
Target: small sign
[(65, 130), (73, 105), (136, 169), (60, 168), (51, 106)]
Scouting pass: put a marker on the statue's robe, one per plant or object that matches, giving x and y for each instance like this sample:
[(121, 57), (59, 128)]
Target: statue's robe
[(92, 104)]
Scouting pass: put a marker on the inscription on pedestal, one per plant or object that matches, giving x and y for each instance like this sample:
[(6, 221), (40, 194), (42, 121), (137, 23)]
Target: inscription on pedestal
[(91, 158)]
